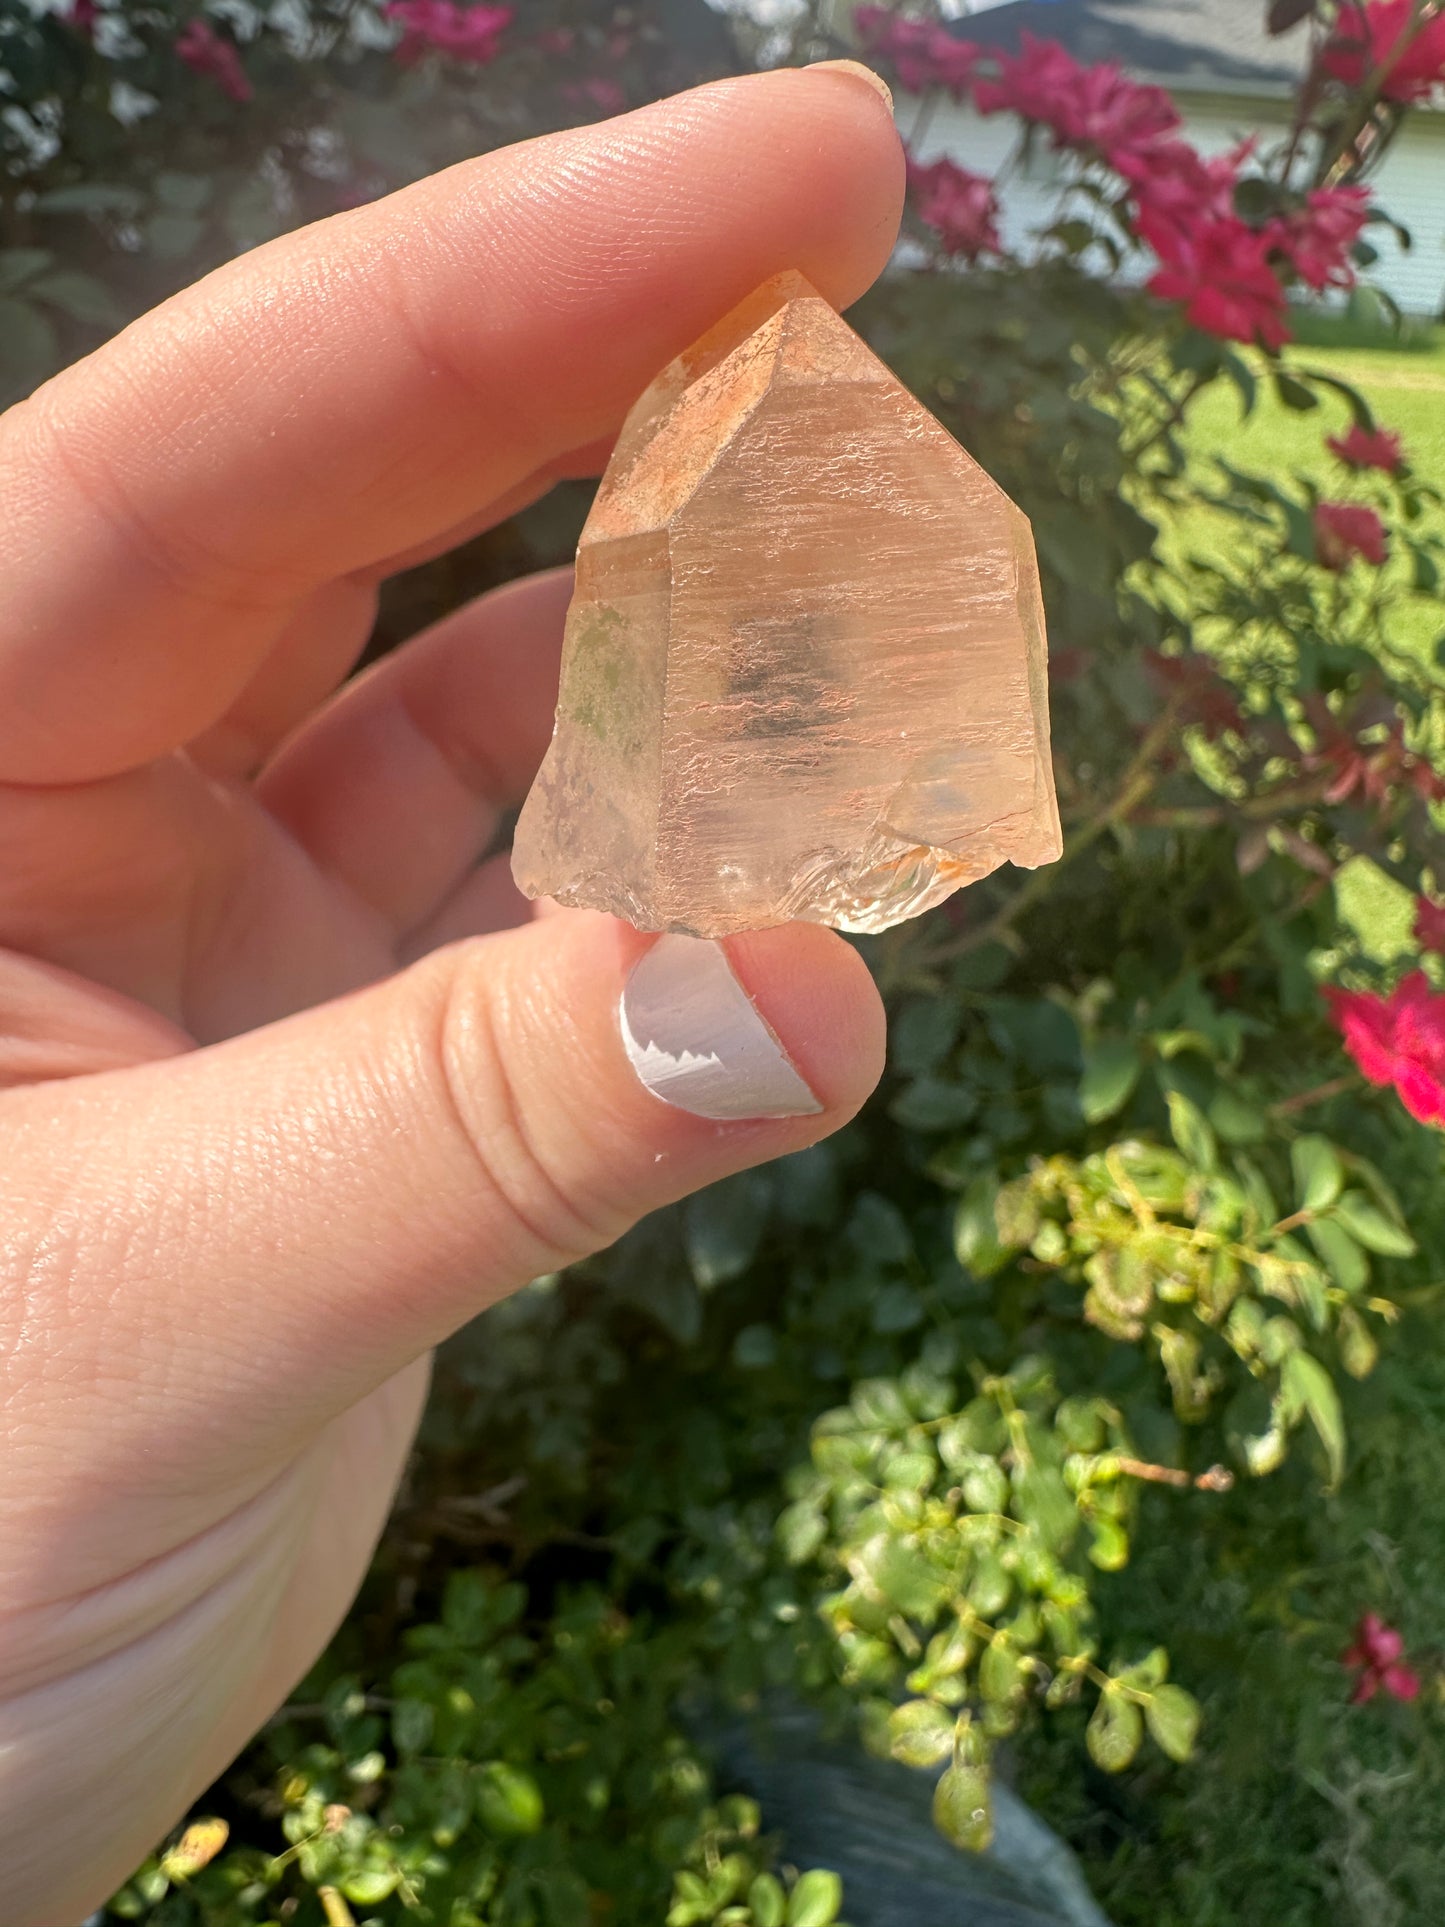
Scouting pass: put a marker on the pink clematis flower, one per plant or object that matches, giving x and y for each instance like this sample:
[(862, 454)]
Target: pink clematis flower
[(199, 47), (1344, 530), (464, 33), (961, 207), (1377, 1654), (1398, 1040), (1367, 448)]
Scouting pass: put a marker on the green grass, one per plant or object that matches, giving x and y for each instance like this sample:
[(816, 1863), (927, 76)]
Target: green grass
[(1405, 387)]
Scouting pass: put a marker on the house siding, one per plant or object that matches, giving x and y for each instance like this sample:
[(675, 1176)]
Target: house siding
[(1410, 183)]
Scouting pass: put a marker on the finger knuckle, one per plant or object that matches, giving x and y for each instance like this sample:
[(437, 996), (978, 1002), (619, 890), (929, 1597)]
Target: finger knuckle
[(495, 1106)]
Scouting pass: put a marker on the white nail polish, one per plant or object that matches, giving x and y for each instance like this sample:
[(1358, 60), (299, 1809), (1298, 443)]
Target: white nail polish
[(697, 1041)]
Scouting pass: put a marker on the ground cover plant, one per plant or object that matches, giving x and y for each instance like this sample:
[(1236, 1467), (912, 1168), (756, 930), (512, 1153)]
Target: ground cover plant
[(1068, 1415)]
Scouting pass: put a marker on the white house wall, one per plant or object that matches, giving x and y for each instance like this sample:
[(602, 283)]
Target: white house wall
[(1410, 182)]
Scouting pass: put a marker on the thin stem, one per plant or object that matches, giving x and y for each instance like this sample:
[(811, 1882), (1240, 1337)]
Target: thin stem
[(1319, 1094), (1217, 1479)]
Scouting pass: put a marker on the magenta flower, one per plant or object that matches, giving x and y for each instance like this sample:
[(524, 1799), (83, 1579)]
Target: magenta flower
[(1344, 530), (923, 55), (463, 33), (1377, 1654), (1096, 107), (1220, 272), (199, 47), (1378, 35), (1175, 189), (959, 206), (1398, 1040), (1316, 239), (1367, 448)]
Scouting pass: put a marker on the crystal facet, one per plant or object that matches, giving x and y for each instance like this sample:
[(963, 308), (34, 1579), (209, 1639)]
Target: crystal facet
[(804, 667)]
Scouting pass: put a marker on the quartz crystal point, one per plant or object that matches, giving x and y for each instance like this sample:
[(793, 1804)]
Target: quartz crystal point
[(804, 666)]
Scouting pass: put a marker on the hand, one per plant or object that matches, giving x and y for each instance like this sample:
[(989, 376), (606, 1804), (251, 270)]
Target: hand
[(277, 1116)]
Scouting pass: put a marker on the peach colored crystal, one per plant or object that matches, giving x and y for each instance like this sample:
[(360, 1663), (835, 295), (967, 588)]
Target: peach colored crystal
[(804, 668)]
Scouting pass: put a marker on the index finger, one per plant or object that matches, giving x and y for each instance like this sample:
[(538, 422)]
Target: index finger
[(354, 390)]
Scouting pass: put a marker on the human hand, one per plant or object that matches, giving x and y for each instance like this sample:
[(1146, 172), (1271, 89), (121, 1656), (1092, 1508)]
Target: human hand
[(265, 1141)]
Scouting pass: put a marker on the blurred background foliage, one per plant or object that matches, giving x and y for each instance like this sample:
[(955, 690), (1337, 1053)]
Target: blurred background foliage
[(1060, 1419)]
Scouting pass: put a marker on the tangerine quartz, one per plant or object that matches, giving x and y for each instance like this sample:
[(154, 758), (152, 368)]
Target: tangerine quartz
[(804, 668)]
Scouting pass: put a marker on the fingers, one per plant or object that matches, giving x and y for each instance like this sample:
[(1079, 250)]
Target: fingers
[(355, 390), (317, 647), (395, 787), (266, 1229)]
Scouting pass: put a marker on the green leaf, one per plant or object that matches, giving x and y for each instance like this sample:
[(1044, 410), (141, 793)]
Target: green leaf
[(1235, 1119), (183, 193), (1043, 1501), (81, 296), (755, 1348), (923, 1034), (1147, 1673), (1294, 394), (1368, 1225), (976, 1240), (1358, 1349), (1308, 1388), (1108, 1545), (1000, 1672), (509, 1801), (985, 1485), (815, 1901), (1348, 1265), (1190, 1131), (878, 1231), (920, 1733), (1173, 1720), (19, 265), (1111, 1070), (767, 1903), (990, 1588), (411, 1724), (723, 1227), (905, 1576), (369, 1886), (1377, 910), (1319, 1177), (29, 348), (1115, 1732), (933, 1104), (89, 197), (800, 1531), (962, 1808)]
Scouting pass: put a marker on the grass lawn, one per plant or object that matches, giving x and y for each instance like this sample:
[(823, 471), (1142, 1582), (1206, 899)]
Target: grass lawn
[(1405, 386)]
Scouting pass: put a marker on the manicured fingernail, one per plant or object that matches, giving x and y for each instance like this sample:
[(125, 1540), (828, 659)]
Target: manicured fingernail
[(856, 71), (697, 1040)]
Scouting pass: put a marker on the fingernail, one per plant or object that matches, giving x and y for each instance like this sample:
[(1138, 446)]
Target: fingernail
[(857, 71), (697, 1040)]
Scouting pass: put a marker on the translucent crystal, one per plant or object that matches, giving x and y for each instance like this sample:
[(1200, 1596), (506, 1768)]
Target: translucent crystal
[(804, 666)]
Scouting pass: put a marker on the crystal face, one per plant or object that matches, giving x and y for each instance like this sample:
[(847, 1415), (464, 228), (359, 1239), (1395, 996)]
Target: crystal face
[(804, 667)]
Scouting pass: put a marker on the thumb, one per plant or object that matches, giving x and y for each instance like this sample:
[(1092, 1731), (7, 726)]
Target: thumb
[(276, 1224)]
